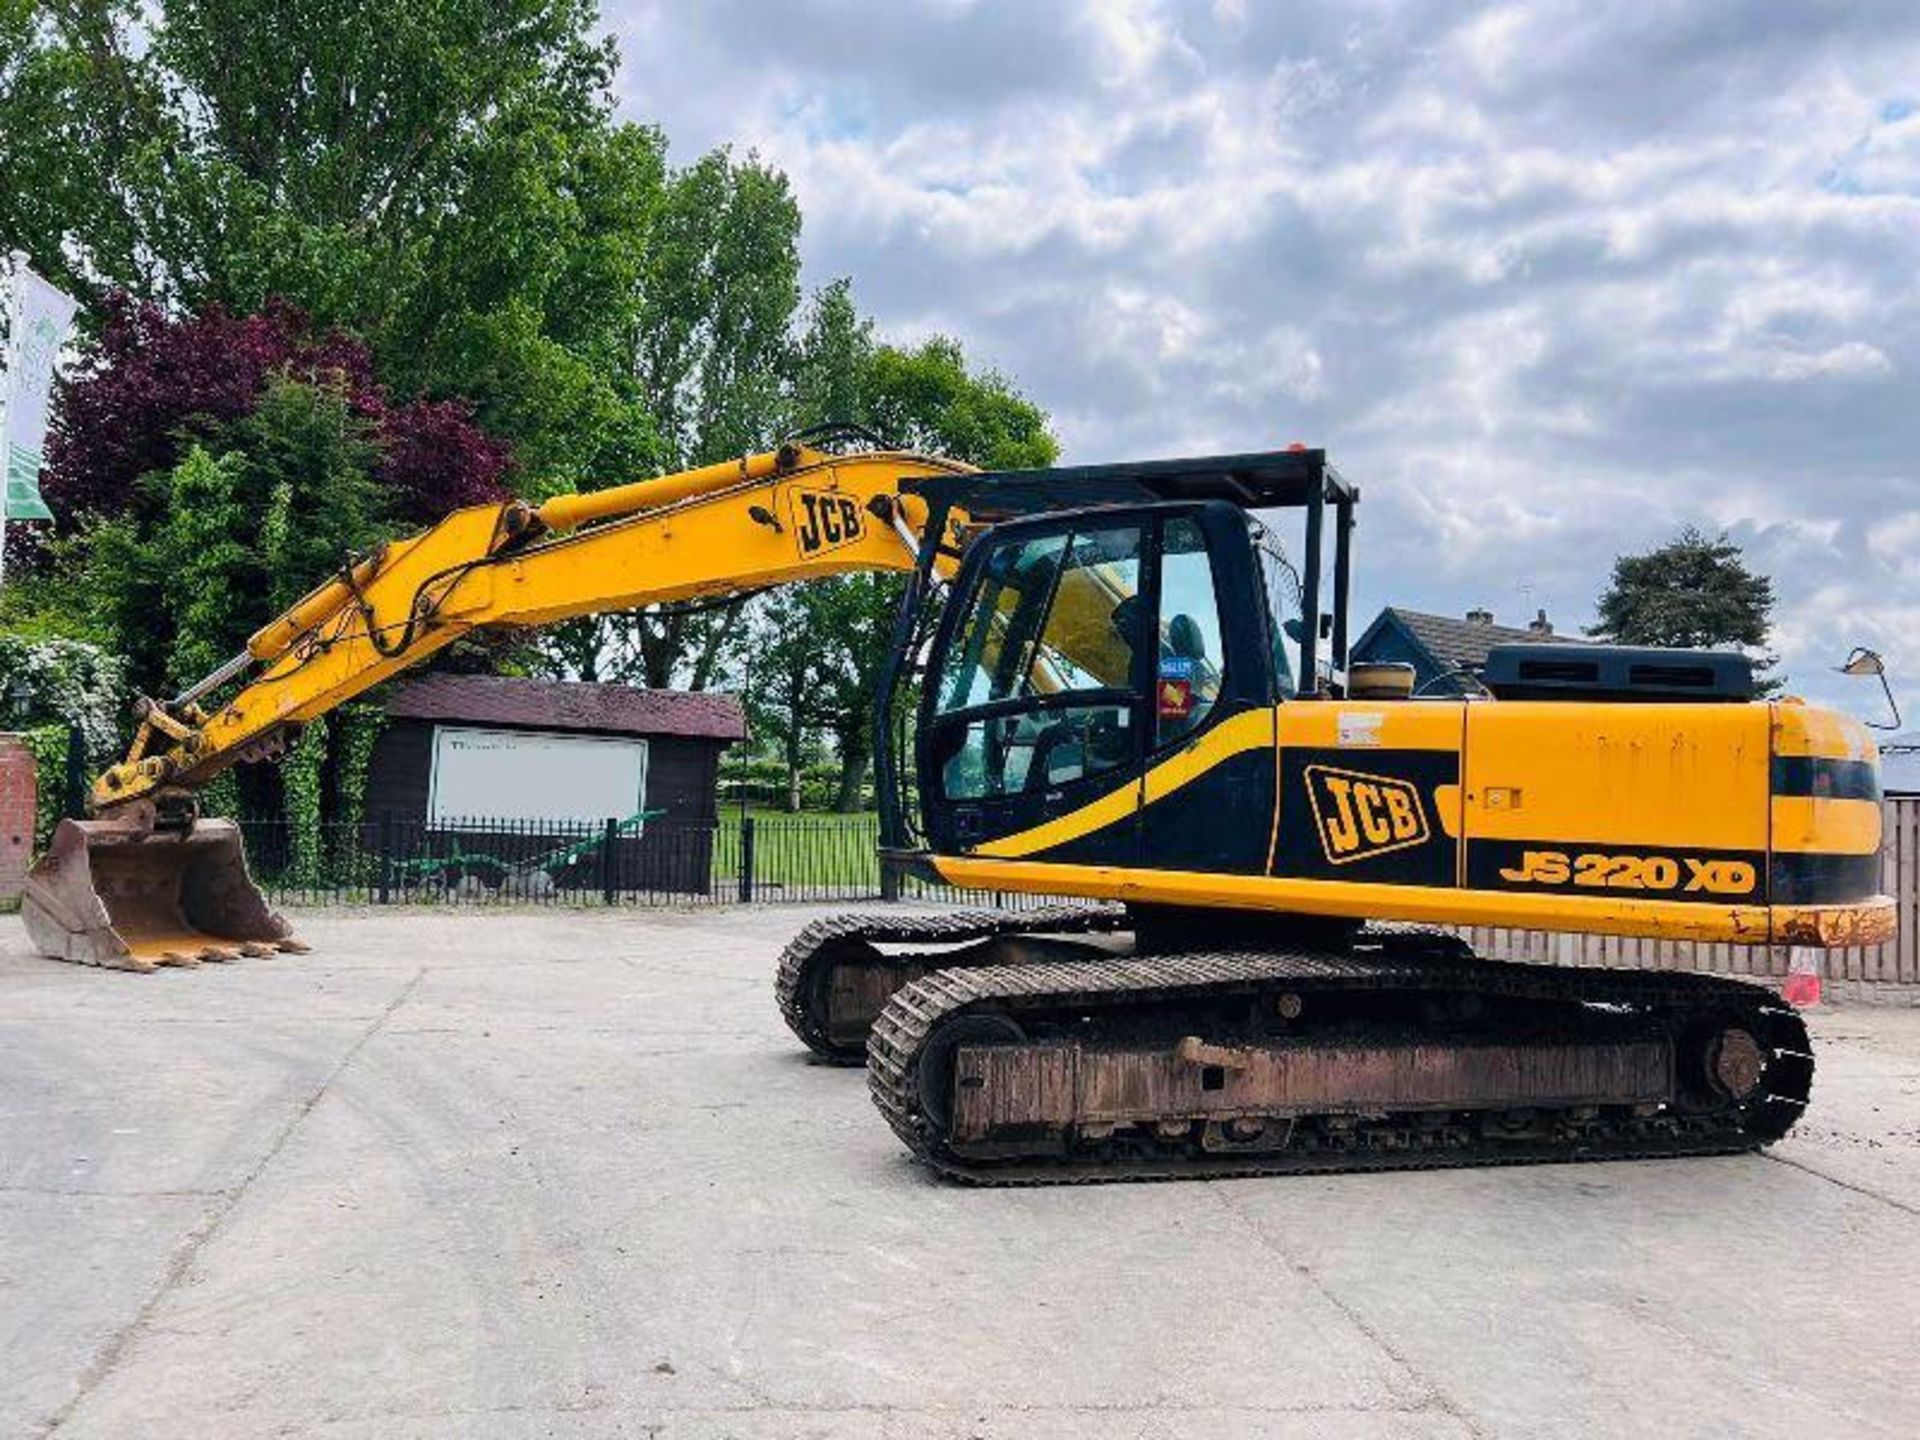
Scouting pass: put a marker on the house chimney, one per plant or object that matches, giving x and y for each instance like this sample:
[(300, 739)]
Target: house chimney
[(1540, 625), (1477, 616)]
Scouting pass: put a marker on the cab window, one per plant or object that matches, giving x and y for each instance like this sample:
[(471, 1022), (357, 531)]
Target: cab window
[(1283, 604), (1055, 617), (1192, 657)]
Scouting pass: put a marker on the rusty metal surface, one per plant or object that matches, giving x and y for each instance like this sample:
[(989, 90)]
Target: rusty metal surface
[(830, 1014), (1033, 1142), (1008, 1087), (1737, 1063), (1830, 927), (118, 894), (856, 991)]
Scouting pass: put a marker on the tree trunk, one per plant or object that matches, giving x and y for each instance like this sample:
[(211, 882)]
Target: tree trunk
[(715, 641), (659, 648), (853, 769), (795, 738)]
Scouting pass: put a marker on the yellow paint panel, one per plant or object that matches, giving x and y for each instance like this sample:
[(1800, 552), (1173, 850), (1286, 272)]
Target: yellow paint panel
[(1392, 725), (1800, 729), (1864, 923), (1668, 776), (1839, 827)]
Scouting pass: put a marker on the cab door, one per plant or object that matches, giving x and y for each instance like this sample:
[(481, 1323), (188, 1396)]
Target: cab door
[(1037, 695), (1207, 785)]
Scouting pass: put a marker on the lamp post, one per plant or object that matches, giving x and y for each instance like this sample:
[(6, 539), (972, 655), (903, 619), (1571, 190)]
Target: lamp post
[(1862, 661), (746, 689)]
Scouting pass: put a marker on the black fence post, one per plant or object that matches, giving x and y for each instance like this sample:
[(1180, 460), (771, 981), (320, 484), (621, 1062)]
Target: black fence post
[(607, 859), (385, 843), (746, 860), (889, 879), (76, 778)]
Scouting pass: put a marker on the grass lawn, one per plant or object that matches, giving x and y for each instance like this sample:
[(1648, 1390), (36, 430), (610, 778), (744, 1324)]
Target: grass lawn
[(807, 849)]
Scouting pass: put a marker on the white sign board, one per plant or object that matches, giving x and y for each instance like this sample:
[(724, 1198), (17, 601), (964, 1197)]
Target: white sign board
[(491, 775)]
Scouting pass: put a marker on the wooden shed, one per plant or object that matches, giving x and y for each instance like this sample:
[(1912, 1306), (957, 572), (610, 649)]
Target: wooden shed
[(504, 767)]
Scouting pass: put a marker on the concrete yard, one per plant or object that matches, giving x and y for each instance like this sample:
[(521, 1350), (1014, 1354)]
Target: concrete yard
[(565, 1174)]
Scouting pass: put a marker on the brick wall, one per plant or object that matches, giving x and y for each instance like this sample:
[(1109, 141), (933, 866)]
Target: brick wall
[(16, 815)]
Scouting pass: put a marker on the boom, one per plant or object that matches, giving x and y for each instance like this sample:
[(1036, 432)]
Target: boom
[(743, 525)]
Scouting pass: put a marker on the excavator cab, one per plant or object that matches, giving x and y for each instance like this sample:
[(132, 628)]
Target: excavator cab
[(1083, 651), (1079, 651)]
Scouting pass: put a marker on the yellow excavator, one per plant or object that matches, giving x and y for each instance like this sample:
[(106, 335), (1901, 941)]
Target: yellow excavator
[(1114, 686)]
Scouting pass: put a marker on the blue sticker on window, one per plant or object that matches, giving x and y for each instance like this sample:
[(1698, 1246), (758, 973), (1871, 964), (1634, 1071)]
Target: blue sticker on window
[(1176, 667)]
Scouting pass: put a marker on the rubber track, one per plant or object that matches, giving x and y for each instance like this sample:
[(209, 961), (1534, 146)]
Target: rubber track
[(914, 1011), (823, 939)]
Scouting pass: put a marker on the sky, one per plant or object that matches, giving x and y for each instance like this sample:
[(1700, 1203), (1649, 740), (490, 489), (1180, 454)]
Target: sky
[(1548, 281)]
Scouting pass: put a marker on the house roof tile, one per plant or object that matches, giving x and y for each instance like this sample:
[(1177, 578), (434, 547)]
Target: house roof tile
[(1455, 642), (567, 705)]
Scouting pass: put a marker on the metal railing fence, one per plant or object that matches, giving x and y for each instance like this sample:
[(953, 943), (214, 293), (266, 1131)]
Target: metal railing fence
[(752, 859), (815, 857)]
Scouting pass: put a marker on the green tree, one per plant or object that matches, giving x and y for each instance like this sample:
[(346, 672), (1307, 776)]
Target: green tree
[(721, 287), (853, 615), (784, 684), (243, 526), (443, 177), (69, 682), (714, 301), (926, 398), (1694, 592), (234, 533), (231, 151), (202, 569), (833, 361)]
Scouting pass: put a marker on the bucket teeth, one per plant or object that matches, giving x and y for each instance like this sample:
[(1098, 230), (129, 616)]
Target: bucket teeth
[(124, 895), (291, 946), (255, 950)]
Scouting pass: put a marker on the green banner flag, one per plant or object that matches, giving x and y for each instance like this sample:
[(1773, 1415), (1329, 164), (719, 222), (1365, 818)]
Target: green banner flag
[(22, 497), (38, 317)]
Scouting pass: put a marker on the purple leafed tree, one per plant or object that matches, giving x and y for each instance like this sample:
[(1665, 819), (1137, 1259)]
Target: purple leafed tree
[(435, 459), (153, 384)]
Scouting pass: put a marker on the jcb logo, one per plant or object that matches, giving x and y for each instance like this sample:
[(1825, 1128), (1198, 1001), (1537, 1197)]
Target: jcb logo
[(826, 520), (1361, 815)]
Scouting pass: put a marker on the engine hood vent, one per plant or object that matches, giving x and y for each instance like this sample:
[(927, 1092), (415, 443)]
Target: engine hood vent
[(1616, 672)]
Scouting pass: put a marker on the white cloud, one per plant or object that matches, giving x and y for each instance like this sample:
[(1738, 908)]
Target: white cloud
[(1549, 279)]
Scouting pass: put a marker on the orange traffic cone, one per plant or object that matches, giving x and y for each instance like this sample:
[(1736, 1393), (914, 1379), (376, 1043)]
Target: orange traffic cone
[(1802, 985)]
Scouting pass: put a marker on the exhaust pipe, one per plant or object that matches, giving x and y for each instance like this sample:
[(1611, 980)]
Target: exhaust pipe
[(122, 894)]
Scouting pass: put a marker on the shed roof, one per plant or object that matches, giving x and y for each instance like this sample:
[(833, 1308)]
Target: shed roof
[(1453, 641), (1900, 764), (567, 705)]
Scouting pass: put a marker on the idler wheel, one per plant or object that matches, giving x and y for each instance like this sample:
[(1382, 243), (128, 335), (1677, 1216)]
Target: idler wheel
[(1735, 1063), (935, 1077)]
